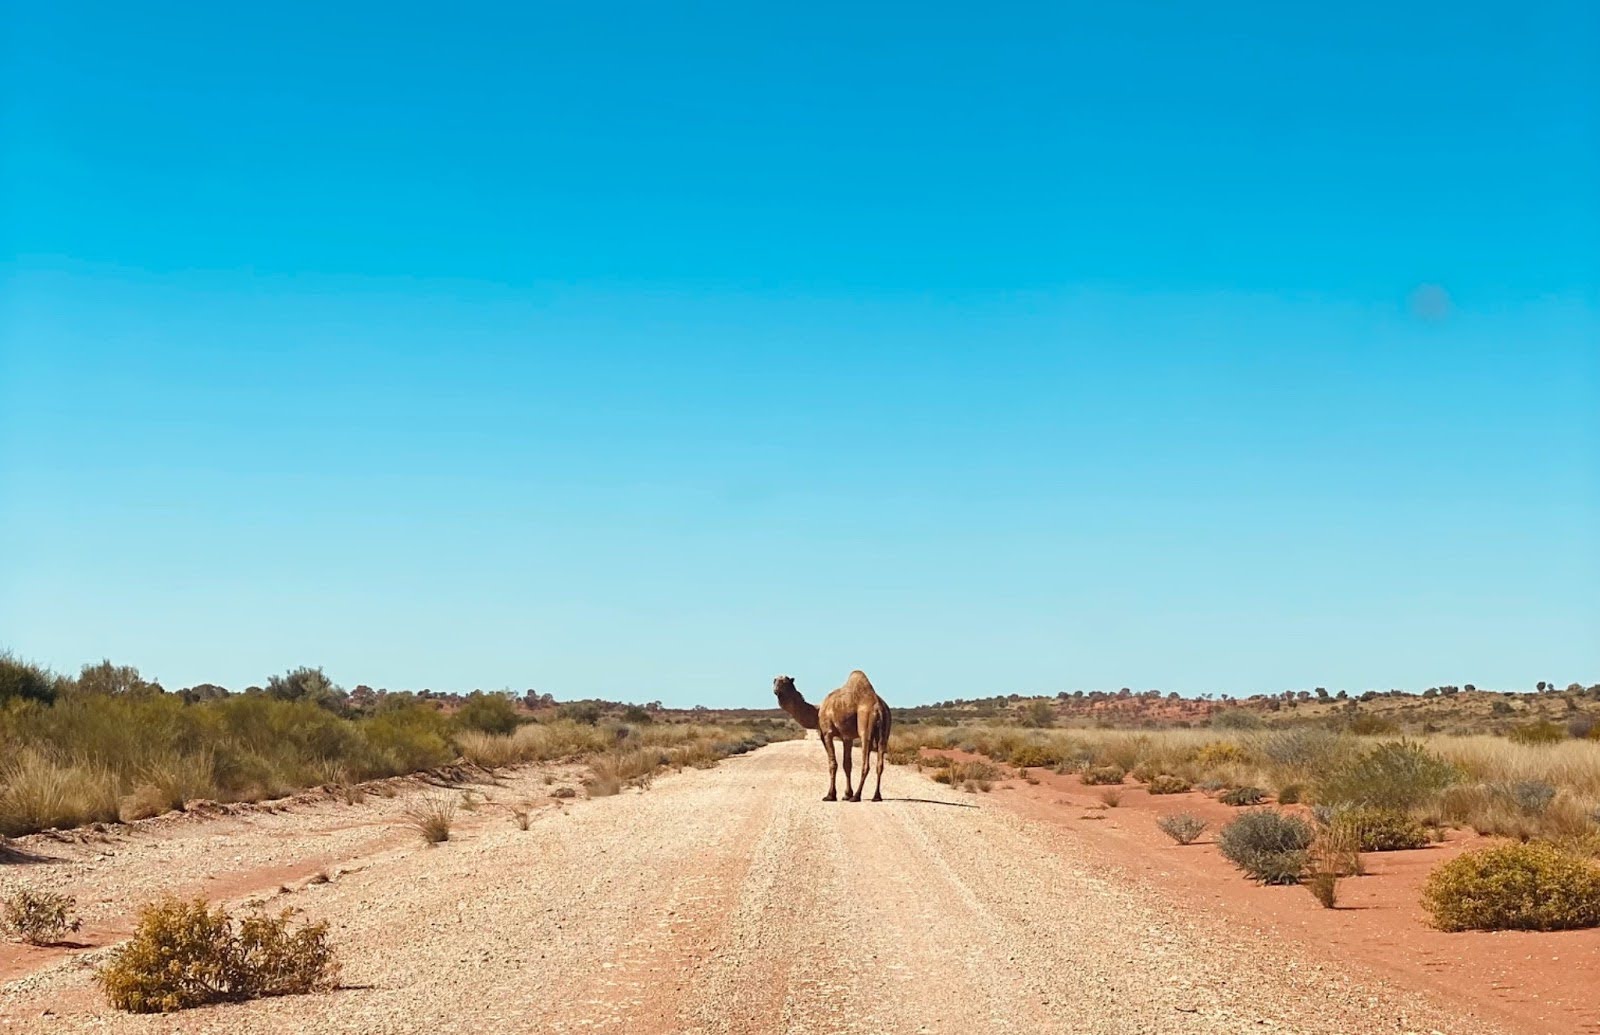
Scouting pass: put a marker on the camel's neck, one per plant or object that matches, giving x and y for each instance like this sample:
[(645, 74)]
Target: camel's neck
[(799, 709)]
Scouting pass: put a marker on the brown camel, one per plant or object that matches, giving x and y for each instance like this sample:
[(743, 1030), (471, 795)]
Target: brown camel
[(853, 711)]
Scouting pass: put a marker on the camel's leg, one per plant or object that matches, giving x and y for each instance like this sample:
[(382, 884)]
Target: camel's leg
[(851, 795), (866, 725), (833, 769), (877, 788)]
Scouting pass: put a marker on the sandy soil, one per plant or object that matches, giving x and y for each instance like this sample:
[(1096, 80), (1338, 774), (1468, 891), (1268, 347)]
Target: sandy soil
[(723, 900)]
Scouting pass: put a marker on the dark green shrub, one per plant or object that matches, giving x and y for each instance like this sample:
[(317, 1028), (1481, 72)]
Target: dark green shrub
[(24, 681), (1243, 796), (1268, 845), (586, 713), (1521, 887), (1166, 783), (1290, 794)]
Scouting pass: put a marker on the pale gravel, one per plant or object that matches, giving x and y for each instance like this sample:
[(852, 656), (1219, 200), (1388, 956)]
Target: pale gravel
[(731, 900)]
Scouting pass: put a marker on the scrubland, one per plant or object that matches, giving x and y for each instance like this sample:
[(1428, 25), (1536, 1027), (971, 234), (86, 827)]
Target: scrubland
[(74, 756)]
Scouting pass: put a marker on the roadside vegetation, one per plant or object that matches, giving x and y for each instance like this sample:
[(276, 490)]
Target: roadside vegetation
[(187, 954), (38, 917), (1313, 797), (107, 745)]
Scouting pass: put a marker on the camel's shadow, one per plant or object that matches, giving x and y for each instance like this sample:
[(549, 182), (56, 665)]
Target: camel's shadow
[(934, 801)]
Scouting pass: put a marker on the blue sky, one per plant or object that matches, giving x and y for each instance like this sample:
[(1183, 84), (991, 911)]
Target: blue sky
[(648, 351)]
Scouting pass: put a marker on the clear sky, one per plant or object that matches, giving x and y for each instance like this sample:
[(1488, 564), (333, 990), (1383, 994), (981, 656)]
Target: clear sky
[(651, 350)]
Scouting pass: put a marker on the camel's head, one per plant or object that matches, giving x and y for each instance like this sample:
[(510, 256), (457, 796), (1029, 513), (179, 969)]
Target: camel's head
[(789, 700)]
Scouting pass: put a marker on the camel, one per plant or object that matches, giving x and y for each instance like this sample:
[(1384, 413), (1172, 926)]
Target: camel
[(853, 711)]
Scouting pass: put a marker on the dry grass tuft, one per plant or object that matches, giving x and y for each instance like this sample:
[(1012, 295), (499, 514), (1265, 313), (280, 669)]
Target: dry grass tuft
[(432, 817), (1183, 827)]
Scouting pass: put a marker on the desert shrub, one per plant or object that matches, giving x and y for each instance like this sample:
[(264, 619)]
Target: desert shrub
[(1301, 751), (1382, 830), (1166, 783), (489, 750), (903, 756), (1324, 887), (1112, 796), (1220, 752), (38, 917), (1371, 726), (1336, 849), (1146, 771), (432, 817), (1236, 719), (1524, 887), (407, 739), (185, 954), (1038, 713), (1290, 794), (1103, 774), (488, 713), (1532, 797), (1268, 845), (1243, 796), (584, 713), (23, 681), (1124, 751), (38, 793), (1395, 775), (1183, 827), (1535, 733), (1033, 755)]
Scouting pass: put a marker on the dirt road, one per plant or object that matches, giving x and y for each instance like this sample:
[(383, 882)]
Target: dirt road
[(732, 900)]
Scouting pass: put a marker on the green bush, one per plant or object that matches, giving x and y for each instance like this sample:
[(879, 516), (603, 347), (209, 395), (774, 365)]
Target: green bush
[(1103, 774), (491, 713), (1290, 794), (1268, 845), (1383, 830), (1166, 783), (185, 954), (1399, 775), (1521, 887), (1243, 796)]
